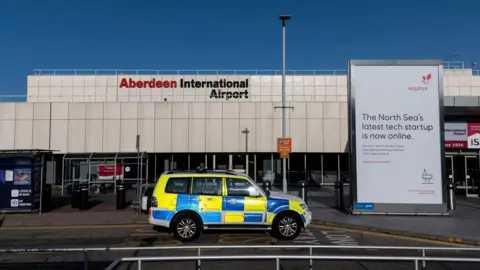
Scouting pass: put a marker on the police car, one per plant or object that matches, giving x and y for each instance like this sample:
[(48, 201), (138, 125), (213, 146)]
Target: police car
[(189, 202)]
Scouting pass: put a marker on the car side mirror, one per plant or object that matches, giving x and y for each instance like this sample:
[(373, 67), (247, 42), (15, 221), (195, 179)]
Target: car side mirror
[(254, 193)]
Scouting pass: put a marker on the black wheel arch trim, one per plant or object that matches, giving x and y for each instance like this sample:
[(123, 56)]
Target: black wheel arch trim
[(299, 217), (172, 221)]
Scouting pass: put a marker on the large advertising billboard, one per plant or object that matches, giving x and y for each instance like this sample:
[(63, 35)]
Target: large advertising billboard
[(396, 133)]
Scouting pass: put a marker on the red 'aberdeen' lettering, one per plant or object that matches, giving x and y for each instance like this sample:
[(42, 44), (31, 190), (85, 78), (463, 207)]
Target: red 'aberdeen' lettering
[(153, 83)]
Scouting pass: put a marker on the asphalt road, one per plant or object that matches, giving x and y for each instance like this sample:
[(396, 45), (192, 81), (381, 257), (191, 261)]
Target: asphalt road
[(145, 236)]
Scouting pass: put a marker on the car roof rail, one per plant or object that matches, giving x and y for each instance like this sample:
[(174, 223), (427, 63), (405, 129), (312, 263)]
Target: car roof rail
[(201, 170)]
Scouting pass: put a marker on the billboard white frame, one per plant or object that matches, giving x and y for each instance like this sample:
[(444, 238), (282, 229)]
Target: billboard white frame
[(394, 208)]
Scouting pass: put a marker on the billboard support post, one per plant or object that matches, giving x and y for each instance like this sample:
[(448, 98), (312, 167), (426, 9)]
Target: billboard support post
[(396, 137)]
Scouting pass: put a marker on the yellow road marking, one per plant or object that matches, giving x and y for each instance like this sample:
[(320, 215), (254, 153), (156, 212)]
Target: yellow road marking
[(69, 227), (149, 234), (400, 237)]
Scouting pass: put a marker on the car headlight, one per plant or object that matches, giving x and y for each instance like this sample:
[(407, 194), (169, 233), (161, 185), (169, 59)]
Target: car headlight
[(304, 206)]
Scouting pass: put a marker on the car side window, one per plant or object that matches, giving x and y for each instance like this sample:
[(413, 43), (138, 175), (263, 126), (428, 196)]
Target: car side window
[(211, 186), (178, 185), (238, 187)]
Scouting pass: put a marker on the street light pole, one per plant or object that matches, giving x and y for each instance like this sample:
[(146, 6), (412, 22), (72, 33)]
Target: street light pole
[(284, 18), (246, 131)]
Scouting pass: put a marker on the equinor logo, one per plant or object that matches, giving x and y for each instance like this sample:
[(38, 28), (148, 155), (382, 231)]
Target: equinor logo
[(425, 80)]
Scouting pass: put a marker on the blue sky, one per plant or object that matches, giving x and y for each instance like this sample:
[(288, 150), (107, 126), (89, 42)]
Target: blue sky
[(225, 34)]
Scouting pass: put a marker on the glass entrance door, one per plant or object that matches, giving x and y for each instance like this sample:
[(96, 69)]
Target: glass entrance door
[(471, 175)]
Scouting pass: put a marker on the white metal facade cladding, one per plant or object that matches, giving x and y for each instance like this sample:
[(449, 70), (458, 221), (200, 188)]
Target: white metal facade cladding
[(73, 113), (171, 126)]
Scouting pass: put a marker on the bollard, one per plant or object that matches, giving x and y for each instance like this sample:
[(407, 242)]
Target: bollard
[(83, 205), (339, 194), (267, 186), (75, 196), (121, 197), (302, 192), (47, 197), (451, 196)]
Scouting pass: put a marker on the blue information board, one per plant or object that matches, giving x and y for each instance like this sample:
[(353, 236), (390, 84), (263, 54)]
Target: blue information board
[(16, 184)]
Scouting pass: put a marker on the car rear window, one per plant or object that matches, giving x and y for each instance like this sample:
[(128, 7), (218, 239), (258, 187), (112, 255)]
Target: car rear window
[(178, 185)]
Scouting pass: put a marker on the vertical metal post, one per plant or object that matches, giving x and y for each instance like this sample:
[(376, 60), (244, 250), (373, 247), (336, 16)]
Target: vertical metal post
[(303, 191), (278, 264), (246, 131), (155, 168), (424, 263), (284, 125), (139, 265), (54, 171), (416, 264), (85, 260), (199, 263), (63, 172), (451, 196), (137, 145), (115, 174), (321, 167), (310, 267), (41, 185), (146, 168), (339, 170)]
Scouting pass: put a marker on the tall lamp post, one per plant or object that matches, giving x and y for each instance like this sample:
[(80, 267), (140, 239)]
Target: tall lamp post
[(246, 131), (284, 19)]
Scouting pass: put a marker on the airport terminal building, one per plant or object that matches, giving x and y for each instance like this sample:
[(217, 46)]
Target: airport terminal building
[(107, 124)]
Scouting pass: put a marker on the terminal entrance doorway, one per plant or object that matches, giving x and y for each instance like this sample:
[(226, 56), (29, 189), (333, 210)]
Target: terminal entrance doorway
[(463, 169)]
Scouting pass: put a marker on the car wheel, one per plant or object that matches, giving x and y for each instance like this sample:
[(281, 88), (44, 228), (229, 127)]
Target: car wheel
[(286, 226), (187, 227)]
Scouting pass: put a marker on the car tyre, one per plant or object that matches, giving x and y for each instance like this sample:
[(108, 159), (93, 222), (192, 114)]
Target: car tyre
[(186, 227), (286, 226)]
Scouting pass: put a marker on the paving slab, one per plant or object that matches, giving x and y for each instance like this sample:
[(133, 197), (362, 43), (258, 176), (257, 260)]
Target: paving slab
[(73, 219), (461, 227)]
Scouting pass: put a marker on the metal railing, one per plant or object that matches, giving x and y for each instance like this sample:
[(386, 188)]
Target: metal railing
[(100, 72), (422, 258), (454, 65), (277, 259), (239, 72)]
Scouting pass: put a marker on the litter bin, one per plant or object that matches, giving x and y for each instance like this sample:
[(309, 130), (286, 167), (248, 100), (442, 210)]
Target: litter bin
[(83, 198), (121, 197), (75, 196), (46, 197)]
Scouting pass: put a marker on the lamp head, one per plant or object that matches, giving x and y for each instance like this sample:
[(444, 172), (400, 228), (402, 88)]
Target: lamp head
[(284, 17)]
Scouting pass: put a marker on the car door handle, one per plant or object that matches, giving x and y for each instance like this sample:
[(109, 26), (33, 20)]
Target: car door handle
[(196, 199), (232, 201)]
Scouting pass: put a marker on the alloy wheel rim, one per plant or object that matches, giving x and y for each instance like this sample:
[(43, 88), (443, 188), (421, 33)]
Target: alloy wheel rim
[(186, 228), (288, 226)]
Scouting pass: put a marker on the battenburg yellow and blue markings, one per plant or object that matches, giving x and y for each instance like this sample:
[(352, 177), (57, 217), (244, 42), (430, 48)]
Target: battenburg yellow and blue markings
[(235, 209)]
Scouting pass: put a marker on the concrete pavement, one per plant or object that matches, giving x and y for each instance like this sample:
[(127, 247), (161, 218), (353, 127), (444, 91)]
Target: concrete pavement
[(462, 227), (74, 218)]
